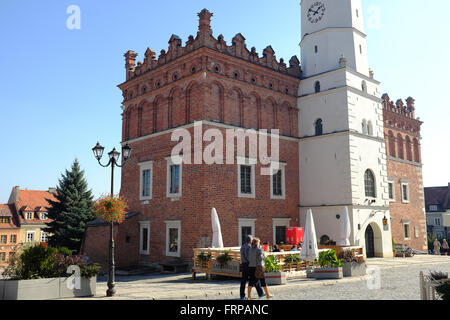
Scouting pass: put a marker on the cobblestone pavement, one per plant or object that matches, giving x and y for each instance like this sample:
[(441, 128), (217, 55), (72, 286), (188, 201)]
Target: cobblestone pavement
[(399, 280)]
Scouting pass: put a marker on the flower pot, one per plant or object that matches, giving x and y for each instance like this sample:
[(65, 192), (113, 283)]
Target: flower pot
[(275, 278), (328, 273), (354, 269)]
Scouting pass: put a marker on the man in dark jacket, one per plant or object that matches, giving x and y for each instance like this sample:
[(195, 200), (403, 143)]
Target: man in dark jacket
[(244, 261)]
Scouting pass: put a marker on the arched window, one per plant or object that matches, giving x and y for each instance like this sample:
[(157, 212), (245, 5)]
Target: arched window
[(369, 184), (401, 154), (391, 144), (416, 151), (364, 86), (319, 127), (370, 128), (317, 87), (408, 149)]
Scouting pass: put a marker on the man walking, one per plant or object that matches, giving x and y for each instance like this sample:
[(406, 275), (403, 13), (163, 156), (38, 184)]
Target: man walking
[(244, 262)]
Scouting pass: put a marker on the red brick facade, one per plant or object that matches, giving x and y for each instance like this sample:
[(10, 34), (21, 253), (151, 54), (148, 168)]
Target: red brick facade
[(404, 166)]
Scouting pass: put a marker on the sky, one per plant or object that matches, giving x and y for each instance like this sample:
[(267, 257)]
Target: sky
[(59, 92)]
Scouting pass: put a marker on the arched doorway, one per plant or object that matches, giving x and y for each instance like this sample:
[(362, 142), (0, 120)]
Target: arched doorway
[(370, 242)]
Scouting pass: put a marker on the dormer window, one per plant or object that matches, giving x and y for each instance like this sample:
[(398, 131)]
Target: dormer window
[(44, 216), (29, 215)]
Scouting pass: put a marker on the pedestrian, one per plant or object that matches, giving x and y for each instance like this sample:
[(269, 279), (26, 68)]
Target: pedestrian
[(437, 247), (256, 268), (275, 248), (445, 247), (244, 269)]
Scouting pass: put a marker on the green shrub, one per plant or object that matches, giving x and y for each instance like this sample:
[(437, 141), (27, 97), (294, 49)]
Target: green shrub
[(36, 262), (329, 259), (293, 258), (272, 264)]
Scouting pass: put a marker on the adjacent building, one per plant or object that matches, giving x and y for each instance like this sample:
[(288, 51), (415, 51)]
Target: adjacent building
[(9, 233), (342, 144), (437, 201)]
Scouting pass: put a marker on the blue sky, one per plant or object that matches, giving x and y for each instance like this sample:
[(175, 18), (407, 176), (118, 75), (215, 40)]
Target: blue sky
[(59, 92)]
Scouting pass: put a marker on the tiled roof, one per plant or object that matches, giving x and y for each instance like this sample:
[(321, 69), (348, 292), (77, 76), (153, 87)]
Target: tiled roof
[(438, 196), (33, 201), (7, 210)]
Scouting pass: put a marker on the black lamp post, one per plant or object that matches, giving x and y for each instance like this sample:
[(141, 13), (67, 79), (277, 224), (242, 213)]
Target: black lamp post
[(113, 161)]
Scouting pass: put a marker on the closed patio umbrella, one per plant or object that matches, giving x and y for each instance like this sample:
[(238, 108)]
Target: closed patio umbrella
[(345, 229), (309, 251), (217, 241)]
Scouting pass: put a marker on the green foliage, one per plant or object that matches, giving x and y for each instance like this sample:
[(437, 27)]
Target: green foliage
[(36, 262), (224, 258), (203, 257), (72, 211), (329, 259), (272, 264), (293, 258), (444, 291)]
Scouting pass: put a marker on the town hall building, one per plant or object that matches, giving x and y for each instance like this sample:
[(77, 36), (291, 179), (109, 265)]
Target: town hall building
[(342, 143)]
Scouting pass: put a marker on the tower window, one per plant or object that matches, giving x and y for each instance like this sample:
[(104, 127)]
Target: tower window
[(369, 184), (319, 127), (360, 49), (316, 49), (317, 87)]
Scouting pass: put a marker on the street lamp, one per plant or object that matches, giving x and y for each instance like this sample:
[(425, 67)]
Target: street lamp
[(113, 161)]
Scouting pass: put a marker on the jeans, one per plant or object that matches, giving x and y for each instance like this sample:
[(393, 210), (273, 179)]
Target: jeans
[(245, 279)]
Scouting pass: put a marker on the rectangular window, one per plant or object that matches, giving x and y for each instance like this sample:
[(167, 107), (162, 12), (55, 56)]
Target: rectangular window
[(246, 226), (29, 215), (277, 184), (245, 231), (144, 237), (405, 192), (437, 222), (3, 239), (316, 49), (391, 190), (30, 236), (174, 177), (13, 238), (43, 215), (2, 256), (280, 235), (406, 231), (433, 208), (277, 189), (44, 236), (5, 220), (146, 180), (246, 178), (173, 238)]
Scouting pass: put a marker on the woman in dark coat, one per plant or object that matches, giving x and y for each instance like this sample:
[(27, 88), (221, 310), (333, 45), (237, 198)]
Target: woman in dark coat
[(256, 268)]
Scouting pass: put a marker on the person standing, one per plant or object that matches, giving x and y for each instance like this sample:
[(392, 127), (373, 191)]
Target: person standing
[(245, 275), (256, 268), (445, 247), (437, 247)]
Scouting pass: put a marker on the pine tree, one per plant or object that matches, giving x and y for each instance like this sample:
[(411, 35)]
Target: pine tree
[(71, 211)]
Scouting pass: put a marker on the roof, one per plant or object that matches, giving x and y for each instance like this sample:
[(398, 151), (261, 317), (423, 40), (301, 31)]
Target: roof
[(33, 201), (438, 196), (7, 210)]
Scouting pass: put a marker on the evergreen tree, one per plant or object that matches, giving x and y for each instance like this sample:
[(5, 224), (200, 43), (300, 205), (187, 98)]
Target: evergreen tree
[(72, 210)]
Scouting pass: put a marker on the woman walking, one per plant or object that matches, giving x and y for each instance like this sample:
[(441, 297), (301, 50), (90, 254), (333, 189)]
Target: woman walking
[(445, 247), (437, 247), (256, 268)]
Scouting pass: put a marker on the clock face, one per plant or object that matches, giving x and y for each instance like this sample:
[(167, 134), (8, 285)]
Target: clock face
[(316, 12)]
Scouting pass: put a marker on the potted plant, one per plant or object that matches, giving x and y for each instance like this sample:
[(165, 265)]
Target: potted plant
[(330, 266), (224, 258), (273, 271), (354, 265), (203, 259), (40, 273), (292, 259)]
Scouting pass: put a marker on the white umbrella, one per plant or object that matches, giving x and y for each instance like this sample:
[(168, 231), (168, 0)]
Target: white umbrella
[(309, 251), (217, 241), (345, 228)]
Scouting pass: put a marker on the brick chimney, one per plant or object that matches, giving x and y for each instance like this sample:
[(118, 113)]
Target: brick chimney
[(52, 190)]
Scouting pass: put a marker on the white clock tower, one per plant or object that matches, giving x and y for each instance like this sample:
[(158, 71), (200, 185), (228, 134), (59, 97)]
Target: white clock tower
[(342, 146)]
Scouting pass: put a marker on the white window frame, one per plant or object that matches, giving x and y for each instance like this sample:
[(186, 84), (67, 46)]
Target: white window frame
[(251, 162), (275, 166), (176, 160), (28, 214), (148, 165), (279, 222), (144, 225), (391, 182), (173, 224), (433, 208), (437, 221), (5, 236), (407, 223), (28, 233), (245, 222), (44, 235), (44, 215), (405, 183)]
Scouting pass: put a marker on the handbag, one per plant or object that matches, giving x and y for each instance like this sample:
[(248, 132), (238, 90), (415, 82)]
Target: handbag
[(259, 272)]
